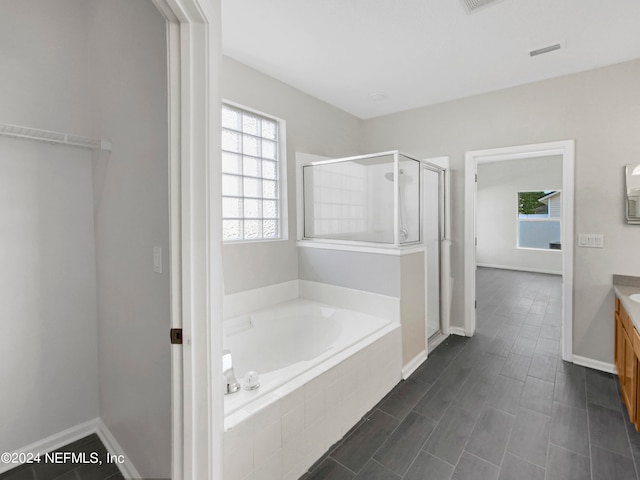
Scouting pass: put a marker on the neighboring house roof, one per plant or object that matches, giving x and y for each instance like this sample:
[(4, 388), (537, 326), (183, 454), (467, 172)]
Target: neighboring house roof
[(546, 198)]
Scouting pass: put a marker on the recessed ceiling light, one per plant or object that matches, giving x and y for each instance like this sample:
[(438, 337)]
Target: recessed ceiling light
[(378, 96)]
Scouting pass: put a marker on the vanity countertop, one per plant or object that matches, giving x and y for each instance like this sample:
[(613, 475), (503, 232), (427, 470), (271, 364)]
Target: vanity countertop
[(624, 287)]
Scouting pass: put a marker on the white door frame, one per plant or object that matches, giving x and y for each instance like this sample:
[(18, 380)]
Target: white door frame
[(564, 148), (193, 46)]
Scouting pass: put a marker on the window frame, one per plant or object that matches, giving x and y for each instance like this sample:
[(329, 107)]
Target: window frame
[(518, 220), (283, 206)]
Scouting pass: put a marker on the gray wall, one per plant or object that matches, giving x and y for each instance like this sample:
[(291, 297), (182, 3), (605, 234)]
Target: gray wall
[(361, 271), (600, 109), (48, 351), (312, 127), (497, 211), (127, 61)]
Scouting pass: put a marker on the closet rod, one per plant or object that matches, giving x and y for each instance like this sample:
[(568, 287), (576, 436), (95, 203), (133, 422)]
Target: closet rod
[(54, 137)]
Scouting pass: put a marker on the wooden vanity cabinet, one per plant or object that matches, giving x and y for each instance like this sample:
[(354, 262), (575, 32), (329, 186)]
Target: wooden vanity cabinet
[(626, 354)]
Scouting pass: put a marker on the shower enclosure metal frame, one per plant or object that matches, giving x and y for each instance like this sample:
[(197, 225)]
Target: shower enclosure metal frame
[(396, 202)]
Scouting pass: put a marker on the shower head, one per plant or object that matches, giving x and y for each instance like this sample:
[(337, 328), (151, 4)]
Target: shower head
[(389, 175)]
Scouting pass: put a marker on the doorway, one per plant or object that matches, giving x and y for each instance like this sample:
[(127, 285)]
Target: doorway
[(565, 149)]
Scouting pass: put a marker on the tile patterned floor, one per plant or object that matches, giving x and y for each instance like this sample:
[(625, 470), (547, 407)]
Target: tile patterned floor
[(499, 406), (69, 470)]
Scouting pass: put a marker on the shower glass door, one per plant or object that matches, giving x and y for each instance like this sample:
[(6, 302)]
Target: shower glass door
[(433, 216)]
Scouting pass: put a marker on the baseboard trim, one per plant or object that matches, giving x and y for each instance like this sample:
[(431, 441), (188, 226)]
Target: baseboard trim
[(413, 364), (457, 331), (65, 437), (127, 469), (520, 269), (595, 364), (55, 441)]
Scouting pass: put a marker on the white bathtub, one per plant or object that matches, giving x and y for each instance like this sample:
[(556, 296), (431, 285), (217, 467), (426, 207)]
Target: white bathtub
[(321, 368)]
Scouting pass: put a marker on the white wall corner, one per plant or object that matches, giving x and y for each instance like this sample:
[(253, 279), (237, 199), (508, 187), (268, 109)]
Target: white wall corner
[(413, 364), (127, 469), (595, 364)]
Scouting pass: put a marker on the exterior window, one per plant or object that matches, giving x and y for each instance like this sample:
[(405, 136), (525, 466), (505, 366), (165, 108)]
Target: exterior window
[(252, 175), (539, 220)]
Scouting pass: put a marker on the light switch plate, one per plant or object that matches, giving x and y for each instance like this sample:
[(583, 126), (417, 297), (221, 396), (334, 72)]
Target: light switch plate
[(591, 240), (157, 259)]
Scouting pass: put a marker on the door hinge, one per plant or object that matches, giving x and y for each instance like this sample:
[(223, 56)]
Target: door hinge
[(475, 304), (476, 178), (176, 336), (476, 241)]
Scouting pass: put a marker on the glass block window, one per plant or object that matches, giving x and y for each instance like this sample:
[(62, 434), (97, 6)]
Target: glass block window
[(251, 180)]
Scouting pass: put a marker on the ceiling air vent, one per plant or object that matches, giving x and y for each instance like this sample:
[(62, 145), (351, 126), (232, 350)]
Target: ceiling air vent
[(472, 5)]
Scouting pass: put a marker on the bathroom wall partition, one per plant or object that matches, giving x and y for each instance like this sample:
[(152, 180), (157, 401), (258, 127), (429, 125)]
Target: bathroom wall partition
[(369, 199)]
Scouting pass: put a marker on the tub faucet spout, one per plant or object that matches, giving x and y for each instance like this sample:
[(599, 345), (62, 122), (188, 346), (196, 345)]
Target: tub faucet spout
[(227, 370)]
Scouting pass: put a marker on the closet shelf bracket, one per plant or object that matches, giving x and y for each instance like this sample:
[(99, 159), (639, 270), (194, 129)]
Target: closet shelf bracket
[(54, 137)]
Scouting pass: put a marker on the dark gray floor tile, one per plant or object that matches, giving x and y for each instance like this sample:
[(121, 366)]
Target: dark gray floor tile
[(611, 466), (506, 394), (530, 436), (516, 366), (547, 347), (119, 476), (405, 442), (436, 401), (530, 331), (19, 473), (405, 396), (569, 428), (329, 469), (551, 332), (570, 388), (375, 471), (471, 467), (95, 471), (544, 367), (431, 369), (450, 436), (601, 389), (509, 331), (534, 318), (607, 429), (501, 346), (428, 467), (490, 435), (514, 468), (572, 370), (67, 476), (567, 465), (360, 446), (537, 395), (552, 318), (516, 319), (524, 346)]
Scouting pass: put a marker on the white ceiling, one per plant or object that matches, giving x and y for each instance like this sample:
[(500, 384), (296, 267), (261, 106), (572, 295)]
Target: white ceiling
[(421, 52)]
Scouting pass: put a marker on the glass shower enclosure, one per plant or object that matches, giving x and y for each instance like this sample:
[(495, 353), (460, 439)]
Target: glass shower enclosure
[(372, 199)]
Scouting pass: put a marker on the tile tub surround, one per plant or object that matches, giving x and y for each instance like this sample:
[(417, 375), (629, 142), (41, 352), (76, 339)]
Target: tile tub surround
[(289, 429), (469, 405)]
